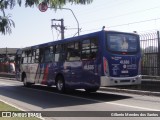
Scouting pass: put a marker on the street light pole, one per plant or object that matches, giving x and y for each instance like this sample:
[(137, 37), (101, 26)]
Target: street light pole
[(74, 17)]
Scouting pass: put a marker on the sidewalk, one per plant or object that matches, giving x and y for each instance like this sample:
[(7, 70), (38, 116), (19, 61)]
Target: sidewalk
[(131, 91), (7, 75), (149, 87)]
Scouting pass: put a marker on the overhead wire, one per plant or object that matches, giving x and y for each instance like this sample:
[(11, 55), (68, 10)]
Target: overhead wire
[(101, 6), (129, 13), (136, 22)]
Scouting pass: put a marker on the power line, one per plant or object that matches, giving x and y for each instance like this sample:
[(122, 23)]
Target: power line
[(101, 6), (129, 13), (136, 22)]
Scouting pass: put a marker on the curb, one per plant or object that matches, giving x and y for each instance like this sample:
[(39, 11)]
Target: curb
[(8, 78), (139, 92)]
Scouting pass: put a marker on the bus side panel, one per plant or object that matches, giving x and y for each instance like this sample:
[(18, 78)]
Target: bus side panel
[(90, 75), (81, 74), (47, 72), (73, 74), (30, 70), (44, 73)]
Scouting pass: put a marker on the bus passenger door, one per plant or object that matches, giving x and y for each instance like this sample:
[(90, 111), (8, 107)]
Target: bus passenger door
[(90, 57)]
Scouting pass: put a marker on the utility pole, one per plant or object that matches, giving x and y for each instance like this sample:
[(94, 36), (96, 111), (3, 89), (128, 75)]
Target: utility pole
[(62, 28), (43, 7)]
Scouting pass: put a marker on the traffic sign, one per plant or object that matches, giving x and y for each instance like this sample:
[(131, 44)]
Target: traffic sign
[(43, 7)]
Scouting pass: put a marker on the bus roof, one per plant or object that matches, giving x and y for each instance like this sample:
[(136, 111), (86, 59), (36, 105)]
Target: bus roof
[(70, 39), (64, 40)]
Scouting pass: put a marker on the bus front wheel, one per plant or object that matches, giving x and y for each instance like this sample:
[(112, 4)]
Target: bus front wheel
[(60, 84)]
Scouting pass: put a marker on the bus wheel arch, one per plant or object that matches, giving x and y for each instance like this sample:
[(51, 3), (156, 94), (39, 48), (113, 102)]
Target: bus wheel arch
[(60, 83)]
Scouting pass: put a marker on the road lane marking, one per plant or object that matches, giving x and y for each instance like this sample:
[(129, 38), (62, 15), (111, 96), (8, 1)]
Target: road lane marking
[(112, 103)]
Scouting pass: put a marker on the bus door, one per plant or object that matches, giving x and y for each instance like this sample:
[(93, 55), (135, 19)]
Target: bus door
[(32, 65), (45, 62), (89, 58)]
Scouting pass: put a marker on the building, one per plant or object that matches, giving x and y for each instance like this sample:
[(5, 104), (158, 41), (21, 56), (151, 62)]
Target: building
[(8, 51)]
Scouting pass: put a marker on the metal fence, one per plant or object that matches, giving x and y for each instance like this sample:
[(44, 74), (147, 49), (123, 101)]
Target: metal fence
[(150, 46)]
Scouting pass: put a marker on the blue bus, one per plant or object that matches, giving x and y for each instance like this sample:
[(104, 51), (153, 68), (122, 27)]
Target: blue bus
[(103, 58)]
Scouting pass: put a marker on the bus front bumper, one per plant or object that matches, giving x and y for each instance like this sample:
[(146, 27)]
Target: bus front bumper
[(115, 81)]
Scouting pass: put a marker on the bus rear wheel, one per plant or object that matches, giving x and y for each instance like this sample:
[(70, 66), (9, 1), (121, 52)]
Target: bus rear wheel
[(60, 84)]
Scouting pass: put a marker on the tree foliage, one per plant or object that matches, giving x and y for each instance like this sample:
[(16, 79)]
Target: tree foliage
[(6, 23)]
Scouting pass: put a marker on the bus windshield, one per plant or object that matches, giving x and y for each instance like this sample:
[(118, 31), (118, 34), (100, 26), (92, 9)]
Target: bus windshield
[(120, 42)]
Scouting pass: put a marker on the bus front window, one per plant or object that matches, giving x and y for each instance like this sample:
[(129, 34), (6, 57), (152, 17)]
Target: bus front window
[(122, 43)]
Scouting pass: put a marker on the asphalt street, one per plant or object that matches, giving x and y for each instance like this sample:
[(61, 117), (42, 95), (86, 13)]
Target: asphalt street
[(42, 98)]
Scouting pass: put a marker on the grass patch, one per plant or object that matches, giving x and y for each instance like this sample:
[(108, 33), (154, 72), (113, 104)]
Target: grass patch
[(6, 107)]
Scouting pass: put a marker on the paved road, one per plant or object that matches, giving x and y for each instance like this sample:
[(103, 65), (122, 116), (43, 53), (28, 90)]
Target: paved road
[(41, 98)]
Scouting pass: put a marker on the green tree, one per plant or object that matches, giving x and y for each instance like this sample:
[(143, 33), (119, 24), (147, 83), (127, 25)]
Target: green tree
[(6, 23)]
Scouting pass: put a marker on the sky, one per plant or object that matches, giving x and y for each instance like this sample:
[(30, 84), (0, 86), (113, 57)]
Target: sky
[(33, 27)]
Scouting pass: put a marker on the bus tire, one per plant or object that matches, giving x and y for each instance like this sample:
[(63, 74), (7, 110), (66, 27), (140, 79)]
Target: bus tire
[(60, 84), (91, 90)]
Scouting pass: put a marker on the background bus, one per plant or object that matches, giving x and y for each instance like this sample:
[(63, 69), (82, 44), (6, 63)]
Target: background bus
[(104, 58), (7, 65)]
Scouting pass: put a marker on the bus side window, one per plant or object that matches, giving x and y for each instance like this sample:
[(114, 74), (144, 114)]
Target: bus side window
[(29, 55), (41, 55), (48, 54), (33, 56), (56, 57), (58, 48), (93, 53), (89, 48), (63, 52), (52, 51), (24, 57), (57, 53), (85, 49), (73, 55), (94, 48), (73, 51), (36, 56), (60, 52)]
